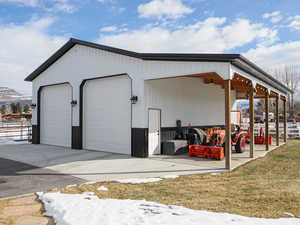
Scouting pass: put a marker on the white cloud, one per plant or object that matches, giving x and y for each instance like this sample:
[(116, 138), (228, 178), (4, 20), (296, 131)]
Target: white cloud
[(63, 6), (210, 35), (113, 6), (109, 29), (164, 9), (105, 1), (295, 22), (31, 3), (50, 6), (114, 29), (25, 47), (117, 9), (274, 17), (276, 55)]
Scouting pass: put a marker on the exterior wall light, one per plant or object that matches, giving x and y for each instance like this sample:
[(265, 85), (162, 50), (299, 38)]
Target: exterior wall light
[(134, 99), (33, 105), (73, 103)]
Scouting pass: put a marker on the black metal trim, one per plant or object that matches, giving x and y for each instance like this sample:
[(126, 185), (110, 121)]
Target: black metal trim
[(36, 136), (81, 105), (247, 68), (139, 140), (231, 58), (144, 56), (76, 138), (196, 126)]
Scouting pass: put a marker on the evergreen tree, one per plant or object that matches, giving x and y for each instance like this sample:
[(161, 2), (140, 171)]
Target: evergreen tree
[(18, 107), (13, 107), (26, 108), (3, 109)]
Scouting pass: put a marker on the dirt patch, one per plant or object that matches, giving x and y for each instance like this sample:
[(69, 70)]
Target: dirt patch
[(22, 211)]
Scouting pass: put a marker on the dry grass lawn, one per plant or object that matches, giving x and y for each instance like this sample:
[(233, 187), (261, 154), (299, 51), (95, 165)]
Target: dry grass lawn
[(266, 187)]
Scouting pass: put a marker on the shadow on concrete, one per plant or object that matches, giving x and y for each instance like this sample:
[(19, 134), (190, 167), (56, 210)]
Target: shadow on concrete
[(37, 179), (123, 172)]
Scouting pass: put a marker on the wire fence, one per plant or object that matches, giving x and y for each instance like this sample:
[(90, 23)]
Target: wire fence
[(16, 130)]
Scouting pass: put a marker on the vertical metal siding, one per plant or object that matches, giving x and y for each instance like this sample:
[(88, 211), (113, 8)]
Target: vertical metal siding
[(107, 114), (56, 115)]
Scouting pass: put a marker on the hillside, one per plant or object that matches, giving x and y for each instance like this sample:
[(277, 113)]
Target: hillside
[(8, 95)]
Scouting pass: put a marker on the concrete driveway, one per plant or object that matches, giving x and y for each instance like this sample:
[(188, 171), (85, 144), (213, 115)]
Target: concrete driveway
[(23, 168), (29, 168)]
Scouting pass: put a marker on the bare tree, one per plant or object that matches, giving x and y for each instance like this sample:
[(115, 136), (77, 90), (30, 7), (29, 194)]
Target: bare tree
[(290, 76)]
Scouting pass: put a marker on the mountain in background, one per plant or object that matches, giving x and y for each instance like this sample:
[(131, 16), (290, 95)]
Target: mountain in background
[(8, 95)]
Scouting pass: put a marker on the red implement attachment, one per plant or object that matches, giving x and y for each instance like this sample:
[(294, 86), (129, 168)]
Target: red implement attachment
[(209, 152), (261, 139)]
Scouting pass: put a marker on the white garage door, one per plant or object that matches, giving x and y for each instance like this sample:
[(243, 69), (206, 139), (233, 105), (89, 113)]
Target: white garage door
[(55, 115), (107, 115)]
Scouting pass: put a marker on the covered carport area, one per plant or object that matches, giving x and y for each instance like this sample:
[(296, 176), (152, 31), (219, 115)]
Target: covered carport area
[(209, 98)]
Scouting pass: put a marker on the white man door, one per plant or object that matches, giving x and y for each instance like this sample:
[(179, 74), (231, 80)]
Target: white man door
[(154, 132)]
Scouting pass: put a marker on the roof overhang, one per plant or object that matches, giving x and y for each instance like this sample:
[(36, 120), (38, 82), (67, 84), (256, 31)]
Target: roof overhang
[(235, 59), (247, 66)]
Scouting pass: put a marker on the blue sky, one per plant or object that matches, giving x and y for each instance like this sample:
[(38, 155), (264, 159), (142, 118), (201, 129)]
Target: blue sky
[(265, 31)]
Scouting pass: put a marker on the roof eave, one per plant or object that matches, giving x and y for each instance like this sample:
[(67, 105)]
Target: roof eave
[(60, 52), (235, 59), (259, 73)]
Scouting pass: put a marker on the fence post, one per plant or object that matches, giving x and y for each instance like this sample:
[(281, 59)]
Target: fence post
[(21, 130)]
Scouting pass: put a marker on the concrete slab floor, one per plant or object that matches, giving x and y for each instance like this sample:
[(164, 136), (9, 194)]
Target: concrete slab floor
[(238, 159), (100, 166)]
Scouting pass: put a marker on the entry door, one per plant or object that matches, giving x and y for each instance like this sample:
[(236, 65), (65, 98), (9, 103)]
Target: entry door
[(154, 132)]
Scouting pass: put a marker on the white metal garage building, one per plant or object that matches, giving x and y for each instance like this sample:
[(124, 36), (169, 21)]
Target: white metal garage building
[(90, 96)]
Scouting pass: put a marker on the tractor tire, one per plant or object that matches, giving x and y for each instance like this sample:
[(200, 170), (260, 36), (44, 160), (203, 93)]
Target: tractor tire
[(240, 146)]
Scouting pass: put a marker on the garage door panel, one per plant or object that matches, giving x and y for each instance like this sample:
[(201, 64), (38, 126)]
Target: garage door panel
[(107, 115), (55, 115)]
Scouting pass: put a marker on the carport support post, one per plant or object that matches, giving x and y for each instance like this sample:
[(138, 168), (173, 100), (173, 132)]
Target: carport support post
[(251, 117), (277, 120), (227, 87), (267, 121), (284, 122)]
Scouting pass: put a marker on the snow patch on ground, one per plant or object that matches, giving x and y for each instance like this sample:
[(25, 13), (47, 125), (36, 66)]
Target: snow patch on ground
[(169, 176), (90, 182), (12, 142), (80, 209), (287, 214), (102, 188), (138, 181), (215, 174), (71, 185), (88, 193)]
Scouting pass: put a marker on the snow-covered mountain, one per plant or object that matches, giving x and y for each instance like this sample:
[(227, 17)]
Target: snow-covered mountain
[(10, 95)]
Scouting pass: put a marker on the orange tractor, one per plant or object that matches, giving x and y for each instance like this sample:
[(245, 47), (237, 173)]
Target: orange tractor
[(210, 143)]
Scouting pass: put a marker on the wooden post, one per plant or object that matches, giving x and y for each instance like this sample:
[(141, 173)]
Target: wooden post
[(267, 121), (251, 116), (277, 120), (284, 122), (227, 88)]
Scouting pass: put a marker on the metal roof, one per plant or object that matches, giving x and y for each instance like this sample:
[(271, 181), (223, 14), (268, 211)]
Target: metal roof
[(235, 59)]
